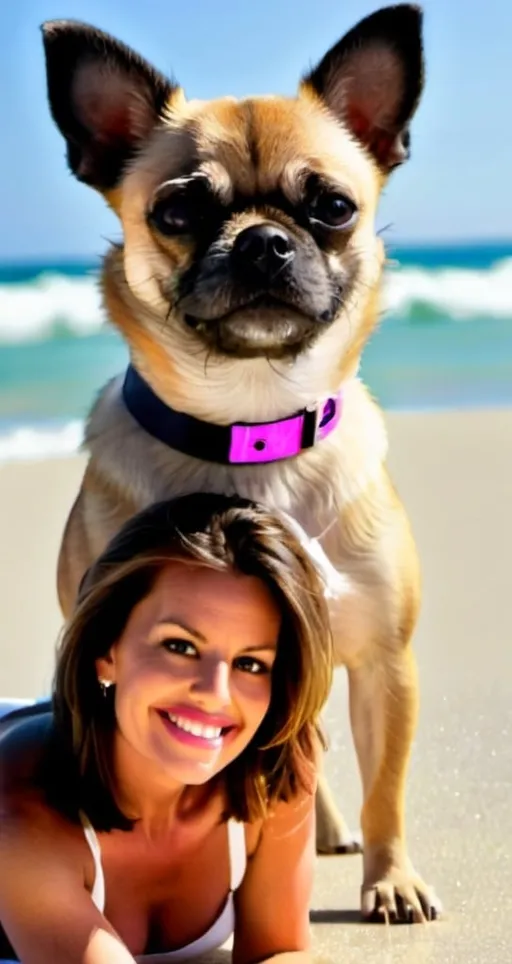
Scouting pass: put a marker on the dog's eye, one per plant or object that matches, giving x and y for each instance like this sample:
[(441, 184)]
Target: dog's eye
[(332, 210), (181, 205), (174, 214)]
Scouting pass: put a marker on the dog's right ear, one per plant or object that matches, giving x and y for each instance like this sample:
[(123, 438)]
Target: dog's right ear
[(372, 79), (104, 98)]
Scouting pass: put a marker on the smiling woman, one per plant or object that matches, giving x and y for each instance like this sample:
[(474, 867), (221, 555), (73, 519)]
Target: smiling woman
[(157, 805)]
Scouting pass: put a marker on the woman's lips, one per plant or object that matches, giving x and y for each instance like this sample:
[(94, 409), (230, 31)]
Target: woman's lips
[(195, 728), (195, 715)]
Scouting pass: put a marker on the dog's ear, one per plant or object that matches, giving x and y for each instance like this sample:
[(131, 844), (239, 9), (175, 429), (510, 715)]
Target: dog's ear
[(372, 80), (104, 98)]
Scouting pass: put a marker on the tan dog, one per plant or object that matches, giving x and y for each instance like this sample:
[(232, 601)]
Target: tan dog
[(246, 288)]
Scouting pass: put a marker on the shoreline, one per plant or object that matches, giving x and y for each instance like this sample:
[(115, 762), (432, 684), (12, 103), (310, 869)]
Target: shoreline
[(24, 443)]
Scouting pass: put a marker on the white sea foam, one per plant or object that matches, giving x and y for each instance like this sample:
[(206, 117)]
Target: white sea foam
[(55, 303), (31, 442), (456, 292), (33, 311)]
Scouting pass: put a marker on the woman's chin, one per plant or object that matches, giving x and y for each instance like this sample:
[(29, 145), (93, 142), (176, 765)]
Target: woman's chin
[(189, 765)]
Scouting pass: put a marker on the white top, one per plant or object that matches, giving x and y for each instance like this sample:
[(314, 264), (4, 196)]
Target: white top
[(219, 932)]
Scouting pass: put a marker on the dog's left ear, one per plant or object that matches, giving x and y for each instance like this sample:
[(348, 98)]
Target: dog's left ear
[(372, 80), (104, 98)]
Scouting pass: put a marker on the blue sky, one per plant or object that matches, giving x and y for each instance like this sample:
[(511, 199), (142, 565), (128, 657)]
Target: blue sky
[(457, 185)]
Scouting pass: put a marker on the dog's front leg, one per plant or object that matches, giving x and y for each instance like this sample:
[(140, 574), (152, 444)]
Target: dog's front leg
[(333, 835), (383, 712)]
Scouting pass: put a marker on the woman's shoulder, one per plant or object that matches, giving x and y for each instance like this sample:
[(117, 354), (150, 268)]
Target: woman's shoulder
[(24, 811), (23, 742), (23, 748)]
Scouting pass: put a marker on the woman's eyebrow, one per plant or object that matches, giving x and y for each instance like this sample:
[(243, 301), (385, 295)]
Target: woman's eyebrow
[(262, 647), (178, 623)]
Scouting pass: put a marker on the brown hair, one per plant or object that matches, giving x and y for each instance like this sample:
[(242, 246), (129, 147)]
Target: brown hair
[(221, 532)]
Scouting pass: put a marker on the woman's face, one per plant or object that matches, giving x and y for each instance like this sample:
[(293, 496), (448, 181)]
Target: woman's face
[(192, 671)]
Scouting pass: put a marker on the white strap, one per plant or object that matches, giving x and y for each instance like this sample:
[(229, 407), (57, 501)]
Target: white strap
[(237, 857), (98, 890), (237, 852)]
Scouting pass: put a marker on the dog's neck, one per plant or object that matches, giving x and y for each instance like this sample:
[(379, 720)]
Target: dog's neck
[(216, 389), (239, 443)]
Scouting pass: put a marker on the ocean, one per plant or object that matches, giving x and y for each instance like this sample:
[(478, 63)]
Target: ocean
[(445, 341)]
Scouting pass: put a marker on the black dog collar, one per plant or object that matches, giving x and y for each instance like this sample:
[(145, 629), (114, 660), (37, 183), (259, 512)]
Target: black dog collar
[(241, 443)]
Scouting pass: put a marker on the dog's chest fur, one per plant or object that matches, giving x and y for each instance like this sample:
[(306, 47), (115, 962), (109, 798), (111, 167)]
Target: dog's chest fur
[(318, 488)]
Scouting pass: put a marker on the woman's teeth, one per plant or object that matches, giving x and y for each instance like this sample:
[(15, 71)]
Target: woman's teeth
[(196, 729)]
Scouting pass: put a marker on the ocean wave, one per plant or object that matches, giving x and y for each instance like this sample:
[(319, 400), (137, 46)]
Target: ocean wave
[(454, 293), (50, 305), (30, 442), (54, 305)]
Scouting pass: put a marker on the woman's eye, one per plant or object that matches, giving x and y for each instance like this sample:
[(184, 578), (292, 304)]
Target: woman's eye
[(180, 646), (250, 665)]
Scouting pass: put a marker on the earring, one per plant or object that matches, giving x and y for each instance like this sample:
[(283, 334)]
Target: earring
[(105, 684)]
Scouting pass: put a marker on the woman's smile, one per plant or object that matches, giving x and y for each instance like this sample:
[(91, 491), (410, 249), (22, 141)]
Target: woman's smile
[(196, 729)]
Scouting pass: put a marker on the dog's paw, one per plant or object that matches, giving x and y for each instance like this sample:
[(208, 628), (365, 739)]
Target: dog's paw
[(398, 896), (346, 843)]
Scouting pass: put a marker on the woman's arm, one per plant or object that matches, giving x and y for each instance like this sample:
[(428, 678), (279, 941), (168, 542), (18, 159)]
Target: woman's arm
[(272, 903), (45, 910)]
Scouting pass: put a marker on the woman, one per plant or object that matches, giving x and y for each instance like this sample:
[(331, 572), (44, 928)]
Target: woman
[(167, 800)]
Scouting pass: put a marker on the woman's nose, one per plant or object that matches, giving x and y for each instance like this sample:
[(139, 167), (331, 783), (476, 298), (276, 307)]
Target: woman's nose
[(212, 682)]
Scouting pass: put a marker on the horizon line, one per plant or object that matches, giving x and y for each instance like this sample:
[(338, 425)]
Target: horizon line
[(38, 258)]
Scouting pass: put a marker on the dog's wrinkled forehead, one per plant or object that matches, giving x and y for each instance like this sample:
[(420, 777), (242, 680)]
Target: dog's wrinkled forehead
[(251, 148)]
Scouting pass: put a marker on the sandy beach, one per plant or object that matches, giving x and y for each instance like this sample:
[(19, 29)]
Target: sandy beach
[(453, 471)]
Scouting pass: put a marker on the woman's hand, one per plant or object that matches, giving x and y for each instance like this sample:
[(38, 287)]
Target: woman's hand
[(289, 957)]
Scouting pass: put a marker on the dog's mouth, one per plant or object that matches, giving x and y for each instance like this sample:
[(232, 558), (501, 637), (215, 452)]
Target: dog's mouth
[(266, 326)]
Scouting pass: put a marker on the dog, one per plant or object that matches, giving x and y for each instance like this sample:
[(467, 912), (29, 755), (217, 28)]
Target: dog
[(246, 287)]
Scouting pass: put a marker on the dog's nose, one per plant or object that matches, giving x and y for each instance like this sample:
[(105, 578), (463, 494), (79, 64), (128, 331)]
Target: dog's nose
[(262, 250)]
